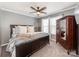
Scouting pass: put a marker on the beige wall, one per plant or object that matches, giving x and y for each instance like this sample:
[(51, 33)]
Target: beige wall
[(39, 24), (7, 18), (0, 30)]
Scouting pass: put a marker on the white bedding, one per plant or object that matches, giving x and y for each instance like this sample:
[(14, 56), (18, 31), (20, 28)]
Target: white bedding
[(11, 45)]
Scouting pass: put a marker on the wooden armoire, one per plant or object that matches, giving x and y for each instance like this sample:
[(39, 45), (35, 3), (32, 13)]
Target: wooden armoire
[(66, 33)]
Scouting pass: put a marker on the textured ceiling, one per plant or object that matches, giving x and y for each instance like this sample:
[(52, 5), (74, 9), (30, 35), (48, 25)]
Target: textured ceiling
[(24, 7)]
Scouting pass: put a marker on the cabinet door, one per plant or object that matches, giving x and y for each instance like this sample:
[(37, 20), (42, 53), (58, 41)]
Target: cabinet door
[(69, 32), (78, 39)]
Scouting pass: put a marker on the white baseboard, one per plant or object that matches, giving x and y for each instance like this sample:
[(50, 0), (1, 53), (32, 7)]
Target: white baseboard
[(4, 44)]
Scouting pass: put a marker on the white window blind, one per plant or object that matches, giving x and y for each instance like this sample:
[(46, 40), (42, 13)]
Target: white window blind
[(45, 24)]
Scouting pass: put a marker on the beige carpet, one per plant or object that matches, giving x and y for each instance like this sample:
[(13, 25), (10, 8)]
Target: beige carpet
[(4, 53), (53, 50)]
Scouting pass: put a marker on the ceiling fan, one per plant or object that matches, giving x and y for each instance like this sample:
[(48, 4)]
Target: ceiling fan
[(38, 10)]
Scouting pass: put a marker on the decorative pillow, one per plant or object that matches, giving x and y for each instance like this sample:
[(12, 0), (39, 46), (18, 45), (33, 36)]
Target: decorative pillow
[(14, 32), (21, 29), (30, 29)]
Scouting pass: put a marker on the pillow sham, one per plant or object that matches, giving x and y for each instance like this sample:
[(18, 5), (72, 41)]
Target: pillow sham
[(30, 29), (21, 29), (14, 32)]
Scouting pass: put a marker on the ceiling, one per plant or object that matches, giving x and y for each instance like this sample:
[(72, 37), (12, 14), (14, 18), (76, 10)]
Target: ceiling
[(24, 7)]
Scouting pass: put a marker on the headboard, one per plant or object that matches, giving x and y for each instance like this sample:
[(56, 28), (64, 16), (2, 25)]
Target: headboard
[(13, 26)]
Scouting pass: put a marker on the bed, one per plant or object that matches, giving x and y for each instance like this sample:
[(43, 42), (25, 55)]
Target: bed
[(26, 46)]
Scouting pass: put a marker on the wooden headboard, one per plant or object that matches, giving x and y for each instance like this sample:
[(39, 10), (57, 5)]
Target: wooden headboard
[(13, 26)]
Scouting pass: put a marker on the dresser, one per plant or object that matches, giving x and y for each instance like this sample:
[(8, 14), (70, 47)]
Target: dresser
[(66, 33)]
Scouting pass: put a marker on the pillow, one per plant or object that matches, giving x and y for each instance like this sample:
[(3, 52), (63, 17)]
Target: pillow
[(21, 29), (14, 32), (30, 29)]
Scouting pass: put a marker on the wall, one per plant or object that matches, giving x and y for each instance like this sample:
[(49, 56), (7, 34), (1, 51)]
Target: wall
[(65, 12), (39, 24), (7, 18), (76, 12), (0, 31), (77, 20)]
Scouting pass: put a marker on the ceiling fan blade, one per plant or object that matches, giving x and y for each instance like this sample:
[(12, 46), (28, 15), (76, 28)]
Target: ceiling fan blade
[(32, 12), (42, 8), (33, 8), (43, 12)]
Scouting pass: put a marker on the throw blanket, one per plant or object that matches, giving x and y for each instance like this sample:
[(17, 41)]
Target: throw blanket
[(11, 47)]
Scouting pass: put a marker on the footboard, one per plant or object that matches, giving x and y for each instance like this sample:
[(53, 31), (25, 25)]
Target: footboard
[(27, 49)]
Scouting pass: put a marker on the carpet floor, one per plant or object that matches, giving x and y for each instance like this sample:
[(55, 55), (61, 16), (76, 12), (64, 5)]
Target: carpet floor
[(53, 50)]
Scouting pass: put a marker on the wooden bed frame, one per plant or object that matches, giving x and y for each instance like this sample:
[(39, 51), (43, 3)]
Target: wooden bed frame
[(28, 48)]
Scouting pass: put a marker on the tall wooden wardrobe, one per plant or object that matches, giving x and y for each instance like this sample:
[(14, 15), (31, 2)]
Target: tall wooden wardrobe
[(66, 32)]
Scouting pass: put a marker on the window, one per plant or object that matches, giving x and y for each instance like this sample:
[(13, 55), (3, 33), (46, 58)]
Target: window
[(50, 24), (53, 24), (45, 25)]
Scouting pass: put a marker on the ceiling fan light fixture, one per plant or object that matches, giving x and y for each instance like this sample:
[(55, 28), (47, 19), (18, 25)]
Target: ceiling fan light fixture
[(38, 10), (38, 13)]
